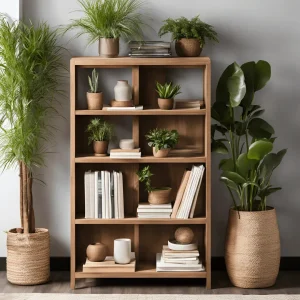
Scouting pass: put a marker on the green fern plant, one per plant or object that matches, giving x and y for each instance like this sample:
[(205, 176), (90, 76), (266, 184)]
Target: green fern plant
[(93, 82), (145, 177), (100, 130), (167, 90)]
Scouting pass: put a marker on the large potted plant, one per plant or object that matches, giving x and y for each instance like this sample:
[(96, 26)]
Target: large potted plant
[(30, 77), (107, 21), (189, 35), (252, 250)]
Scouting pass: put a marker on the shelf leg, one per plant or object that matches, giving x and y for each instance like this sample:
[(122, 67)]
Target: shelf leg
[(73, 282)]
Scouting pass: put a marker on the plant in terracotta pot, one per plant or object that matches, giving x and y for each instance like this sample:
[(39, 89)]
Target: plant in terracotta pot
[(31, 72), (162, 141), (94, 97), (107, 21), (189, 35), (166, 93), (155, 195), (252, 250), (100, 133)]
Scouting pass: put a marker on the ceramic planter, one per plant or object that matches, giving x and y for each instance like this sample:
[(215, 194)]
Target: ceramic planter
[(108, 47), (252, 250), (123, 91), (94, 101), (100, 148), (188, 47), (161, 153), (160, 196), (165, 104), (122, 251), (96, 252)]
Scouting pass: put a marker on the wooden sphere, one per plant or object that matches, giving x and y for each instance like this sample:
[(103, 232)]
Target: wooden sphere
[(184, 235), (96, 252)]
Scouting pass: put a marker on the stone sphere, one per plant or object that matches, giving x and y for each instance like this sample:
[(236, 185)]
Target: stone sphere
[(184, 235)]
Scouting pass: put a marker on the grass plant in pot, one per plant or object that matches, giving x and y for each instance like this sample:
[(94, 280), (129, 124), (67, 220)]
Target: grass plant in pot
[(31, 73), (189, 35), (94, 97), (166, 93), (155, 195), (252, 250), (162, 141), (100, 133), (107, 21)]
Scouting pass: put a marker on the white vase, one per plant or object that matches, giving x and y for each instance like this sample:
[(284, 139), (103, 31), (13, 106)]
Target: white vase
[(123, 91), (122, 251)]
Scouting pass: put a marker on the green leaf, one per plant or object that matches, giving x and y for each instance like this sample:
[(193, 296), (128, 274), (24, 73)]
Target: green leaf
[(219, 147), (221, 113), (262, 74), (260, 129), (268, 191), (249, 73), (240, 128), (233, 176), (244, 164), (259, 149), (230, 184), (226, 164)]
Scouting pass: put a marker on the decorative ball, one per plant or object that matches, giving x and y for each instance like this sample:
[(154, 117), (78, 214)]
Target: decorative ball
[(184, 235), (96, 252)]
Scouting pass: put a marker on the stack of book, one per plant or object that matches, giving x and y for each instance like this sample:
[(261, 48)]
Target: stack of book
[(195, 104), (120, 108), (125, 153), (104, 197), (150, 49), (151, 211)]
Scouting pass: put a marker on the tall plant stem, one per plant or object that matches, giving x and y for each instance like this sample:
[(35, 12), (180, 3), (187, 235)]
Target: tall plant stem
[(235, 206), (247, 142)]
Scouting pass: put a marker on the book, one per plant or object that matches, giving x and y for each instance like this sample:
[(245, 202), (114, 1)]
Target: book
[(110, 108), (112, 193), (109, 195), (149, 44), (148, 205), (182, 261), (136, 150), (154, 210), (125, 155), (151, 55), (87, 194), (154, 216), (167, 252), (103, 195), (116, 195), (187, 104), (92, 195), (196, 195), (96, 195), (121, 195), (149, 51)]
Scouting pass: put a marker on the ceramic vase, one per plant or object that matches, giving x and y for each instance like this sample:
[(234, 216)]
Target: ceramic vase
[(123, 91), (108, 47), (122, 251), (96, 252), (100, 148)]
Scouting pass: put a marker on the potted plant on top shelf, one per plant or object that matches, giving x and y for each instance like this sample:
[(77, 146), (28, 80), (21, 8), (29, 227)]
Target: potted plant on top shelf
[(94, 97), (252, 251), (108, 20), (189, 35), (166, 93)]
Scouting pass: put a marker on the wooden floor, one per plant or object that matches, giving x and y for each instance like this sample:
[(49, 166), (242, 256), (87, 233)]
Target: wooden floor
[(287, 283)]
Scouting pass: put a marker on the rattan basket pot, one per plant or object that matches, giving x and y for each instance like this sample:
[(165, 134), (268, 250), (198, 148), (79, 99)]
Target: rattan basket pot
[(160, 196), (252, 249), (188, 47), (28, 257)]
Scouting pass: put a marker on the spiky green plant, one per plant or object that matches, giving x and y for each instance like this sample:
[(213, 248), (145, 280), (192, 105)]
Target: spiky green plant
[(167, 90), (93, 82), (100, 130), (109, 19), (30, 77)]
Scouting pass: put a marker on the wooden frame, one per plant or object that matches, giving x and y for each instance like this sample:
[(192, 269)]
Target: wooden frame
[(193, 125)]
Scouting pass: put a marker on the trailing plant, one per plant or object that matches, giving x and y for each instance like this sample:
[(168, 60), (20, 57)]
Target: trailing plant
[(93, 82), (100, 130), (109, 19), (246, 139), (31, 72), (189, 29), (167, 90), (162, 138), (145, 177)]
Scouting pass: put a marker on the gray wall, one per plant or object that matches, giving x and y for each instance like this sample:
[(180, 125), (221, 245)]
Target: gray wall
[(248, 30)]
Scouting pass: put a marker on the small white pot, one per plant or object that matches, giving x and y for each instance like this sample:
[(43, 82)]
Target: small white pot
[(123, 91), (122, 251)]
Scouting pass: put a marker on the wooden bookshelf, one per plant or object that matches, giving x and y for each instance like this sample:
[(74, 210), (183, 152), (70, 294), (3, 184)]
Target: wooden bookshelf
[(147, 235)]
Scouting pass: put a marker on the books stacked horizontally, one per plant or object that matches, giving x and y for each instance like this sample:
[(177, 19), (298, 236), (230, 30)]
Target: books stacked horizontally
[(120, 108), (152, 211), (150, 49), (104, 198), (186, 199), (195, 104), (125, 153)]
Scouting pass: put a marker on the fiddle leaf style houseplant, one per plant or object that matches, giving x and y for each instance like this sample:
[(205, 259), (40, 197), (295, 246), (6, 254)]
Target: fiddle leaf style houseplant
[(252, 251), (30, 77)]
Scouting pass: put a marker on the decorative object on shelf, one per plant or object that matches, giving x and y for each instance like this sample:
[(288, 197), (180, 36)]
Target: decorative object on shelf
[(184, 235), (122, 251), (121, 104), (96, 252), (94, 97), (175, 245), (31, 75), (126, 144), (193, 104), (151, 211), (100, 133), (123, 91), (166, 94), (162, 141), (150, 49), (108, 20), (155, 195), (189, 35), (247, 173)]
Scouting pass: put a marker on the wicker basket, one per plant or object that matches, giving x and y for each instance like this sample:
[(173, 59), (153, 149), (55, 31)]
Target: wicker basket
[(160, 196), (28, 257), (252, 251)]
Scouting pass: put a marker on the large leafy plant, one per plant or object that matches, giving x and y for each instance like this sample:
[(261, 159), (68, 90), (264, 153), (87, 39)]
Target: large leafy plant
[(100, 130), (162, 138), (245, 137)]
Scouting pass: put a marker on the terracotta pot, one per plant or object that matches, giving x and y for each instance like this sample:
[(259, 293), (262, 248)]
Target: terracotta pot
[(108, 47), (160, 196), (96, 252), (188, 47), (94, 100), (252, 250), (28, 257), (161, 153), (165, 104), (100, 148)]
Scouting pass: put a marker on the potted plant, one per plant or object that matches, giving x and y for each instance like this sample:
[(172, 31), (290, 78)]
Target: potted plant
[(108, 20), (166, 93), (155, 195), (30, 77), (162, 141), (100, 133), (252, 250), (94, 97), (189, 35)]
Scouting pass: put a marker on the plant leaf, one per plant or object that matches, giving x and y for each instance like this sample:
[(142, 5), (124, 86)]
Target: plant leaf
[(260, 129), (219, 147), (244, 164), (259, 149), (262, 74), (233, 176), (226, 164)]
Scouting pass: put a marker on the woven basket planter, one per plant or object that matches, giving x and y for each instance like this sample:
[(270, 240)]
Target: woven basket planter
[(28, 257), (252, 250)]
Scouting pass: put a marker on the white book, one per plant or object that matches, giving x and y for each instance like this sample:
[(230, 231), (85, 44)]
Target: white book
[(154, 216), (139, 107), (175, 259), (148, 205), (125, 153), (87, 207), (96, 215), (99, 195), (116, 206), (112, 195), (106, 194), (103, 194), (154, 210), (122, 196), (182, 262), (92, 195), (109, 195)]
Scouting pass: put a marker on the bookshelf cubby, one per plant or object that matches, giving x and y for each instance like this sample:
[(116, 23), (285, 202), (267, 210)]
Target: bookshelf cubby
[(147, 235)]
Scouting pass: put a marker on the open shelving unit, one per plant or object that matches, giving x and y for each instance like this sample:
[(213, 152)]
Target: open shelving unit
[(147, 235)]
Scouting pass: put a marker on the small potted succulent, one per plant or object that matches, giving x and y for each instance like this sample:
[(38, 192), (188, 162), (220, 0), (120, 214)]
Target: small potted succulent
[(100, 133), (94, 97), (189, 35), (155, 195), (166, 93), (162, 141)]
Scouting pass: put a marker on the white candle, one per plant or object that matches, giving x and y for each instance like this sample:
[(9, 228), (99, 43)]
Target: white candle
[(126, 144)]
